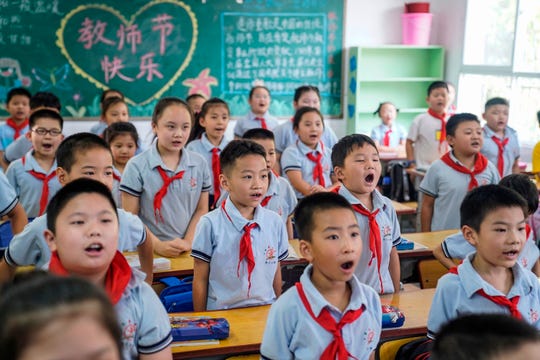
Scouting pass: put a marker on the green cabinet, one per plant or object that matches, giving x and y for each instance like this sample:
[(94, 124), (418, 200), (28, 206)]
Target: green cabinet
[(397, 73)]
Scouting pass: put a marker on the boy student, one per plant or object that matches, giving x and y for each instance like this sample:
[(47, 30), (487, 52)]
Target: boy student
[(458, 171), (490, 280), (38, 101), (17, 104), (456, 247), (11, 208), (82, 232), (329, 314), (358, 168), (79, 155), (237, 247), (501, 145), (34, 175), (426, 140)]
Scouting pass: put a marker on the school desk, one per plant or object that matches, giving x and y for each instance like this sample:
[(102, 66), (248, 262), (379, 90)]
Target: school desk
[(403, 209), (247, 325), (424, 243)]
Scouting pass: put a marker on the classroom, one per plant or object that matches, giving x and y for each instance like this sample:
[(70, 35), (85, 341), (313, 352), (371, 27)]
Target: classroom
[(401, 148)]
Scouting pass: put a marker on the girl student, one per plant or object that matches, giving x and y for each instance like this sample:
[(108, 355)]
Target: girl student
[(214, 118), (258, 117), (123, 140), (307, 163), (166, 185), (102, 124), (388, 135)]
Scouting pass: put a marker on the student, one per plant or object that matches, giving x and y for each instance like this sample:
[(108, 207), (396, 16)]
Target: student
[(358, 169), (11, 208), (34, 176), (388, 136), (486, 337), (307, 163), (214, 118), (113, 110), (166, 185), (456, 247), (17, 105), (79, 155), (329, 314), (238, 246), (501, 145), (306, 95), (489, 280), (82, 232), (40, 100), (102, 124), (195, 102), (426, 140), (69, 319), (122, 138), (461, 169), (258, 117)]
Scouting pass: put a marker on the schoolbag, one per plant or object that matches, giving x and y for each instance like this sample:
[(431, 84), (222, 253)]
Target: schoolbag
[(419, 349), (178, 295), (401, 187)]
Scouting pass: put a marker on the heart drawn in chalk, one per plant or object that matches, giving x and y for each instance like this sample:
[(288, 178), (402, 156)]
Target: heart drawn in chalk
[(142, 56)]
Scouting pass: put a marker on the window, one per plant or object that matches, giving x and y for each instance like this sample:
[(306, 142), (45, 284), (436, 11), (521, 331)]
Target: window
[(501, 57)]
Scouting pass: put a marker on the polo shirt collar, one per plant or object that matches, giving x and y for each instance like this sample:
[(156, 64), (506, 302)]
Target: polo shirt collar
[(252, 116), (304, 149), (490, 133), (237, 220), (376, 198), (208, 146), (273, 187), (155, 160), (30, 163)]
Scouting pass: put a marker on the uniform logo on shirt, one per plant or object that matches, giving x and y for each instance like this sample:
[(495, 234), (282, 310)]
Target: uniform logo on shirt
[(270, 255), (369, 336), (193, 182), (533, 315), (387, 231), (128, 331), (524, 262)]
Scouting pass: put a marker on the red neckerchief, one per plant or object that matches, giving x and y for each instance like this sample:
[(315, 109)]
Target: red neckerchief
[(16, 127), (318, 174), (480, 164), (43, 200), (116, 177), (510, 304), (263, 122), (500, 157), (266, 200), (246, 250), (386, 139), (116, 280), (163, 191), (336, 349), (442, 118), (216, 170)]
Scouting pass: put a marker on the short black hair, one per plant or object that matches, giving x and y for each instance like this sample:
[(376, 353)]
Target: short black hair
[(304, 110), (439, 84), (208, 104), (106, 92), (70, 147), (258, 87), (111, 101), (309, 206), (481, 201), (37, 298), (482, 337), (195, 96), (301, 90), (120, 128), (18, 91), (45, 99), (346, 145), (165, 102), (45, 113), (237, 149), (72, 190), (258, 134), (496, 101), (523, 185), (455, 120)]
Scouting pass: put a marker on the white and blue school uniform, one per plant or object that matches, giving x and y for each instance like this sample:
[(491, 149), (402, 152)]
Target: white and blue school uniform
[(117, 178), (367, 270), (29, 247), (490, 149), (217, 242), (28, 187), (7, 135), (291, 332), (295, 158), (456, 247), (142, 179), (251, 122), (17, 149), (456, 295), (205, 148), (8, 196), (284, 136), (397, 134), (449, 187), (145, 325), (99, 128)]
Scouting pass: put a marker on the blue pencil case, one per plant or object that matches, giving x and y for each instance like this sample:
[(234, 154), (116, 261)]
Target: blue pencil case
[(405, 245), (392, 317), (199, 328)]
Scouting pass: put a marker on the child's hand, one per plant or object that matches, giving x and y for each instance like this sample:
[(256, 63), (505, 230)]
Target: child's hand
[(316, 188), (172, 248)]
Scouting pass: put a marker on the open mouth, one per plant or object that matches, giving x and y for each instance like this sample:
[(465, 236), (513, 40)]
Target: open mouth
[(348, 265), (475, 143), (94, 248), (511, 253), (370, 178)]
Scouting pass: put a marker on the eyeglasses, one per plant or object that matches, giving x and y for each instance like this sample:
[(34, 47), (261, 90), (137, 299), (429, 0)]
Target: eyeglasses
[(43, 132)]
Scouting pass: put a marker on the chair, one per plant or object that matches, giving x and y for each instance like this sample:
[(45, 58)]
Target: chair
[(387, 350), (430, 272)]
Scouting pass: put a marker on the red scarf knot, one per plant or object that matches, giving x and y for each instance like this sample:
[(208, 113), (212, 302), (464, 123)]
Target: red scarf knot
[(266, 200), (44, 188), (16, 127), (480, 164), (263, 122), (158, 198), (386, 139), (500, 154), (318, 174)]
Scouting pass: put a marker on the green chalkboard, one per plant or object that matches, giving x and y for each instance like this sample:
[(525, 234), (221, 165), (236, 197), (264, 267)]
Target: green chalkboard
[(150, 49)]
